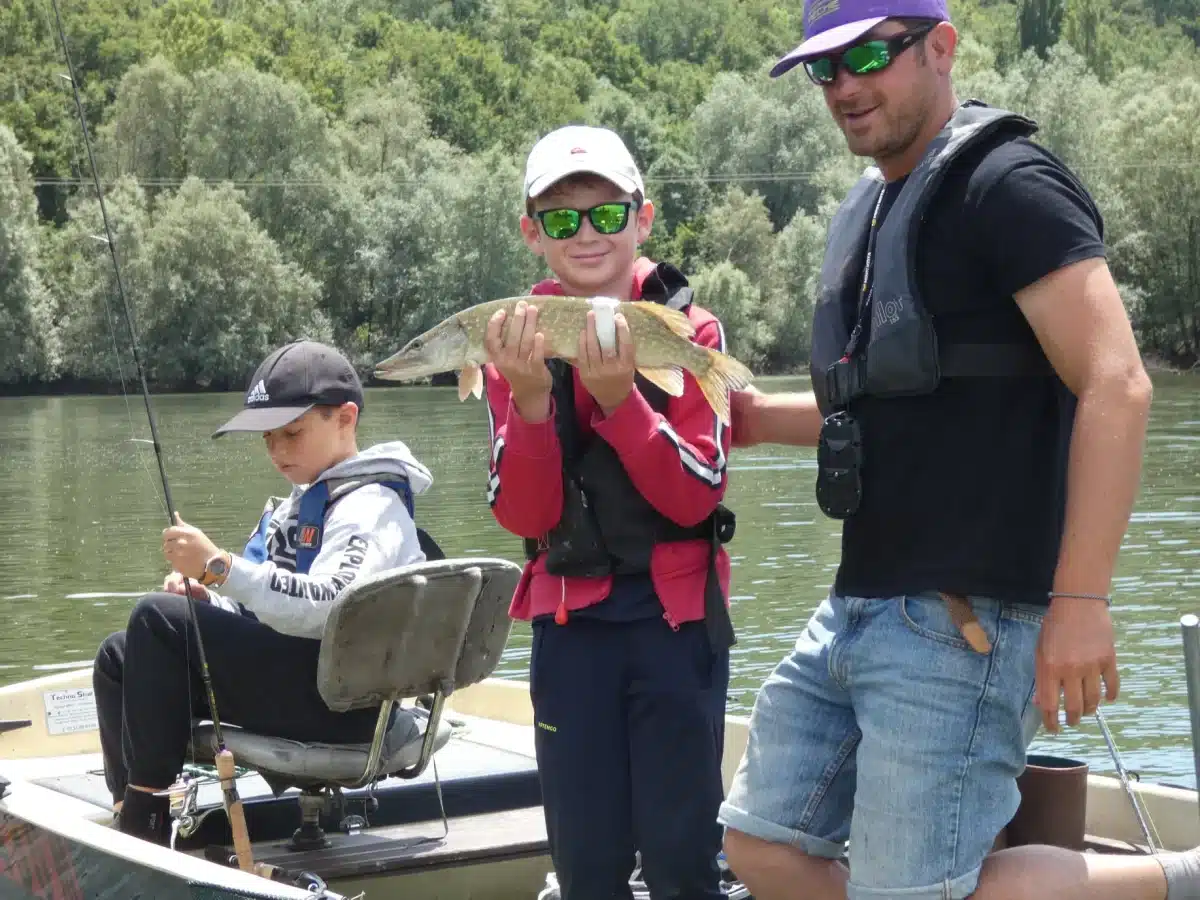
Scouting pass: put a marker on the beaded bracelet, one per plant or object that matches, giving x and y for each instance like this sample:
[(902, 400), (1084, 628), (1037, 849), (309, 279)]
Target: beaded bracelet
[(1105, 598)]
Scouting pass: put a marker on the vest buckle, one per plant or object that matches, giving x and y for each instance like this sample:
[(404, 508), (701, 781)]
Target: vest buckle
[(844, 382)]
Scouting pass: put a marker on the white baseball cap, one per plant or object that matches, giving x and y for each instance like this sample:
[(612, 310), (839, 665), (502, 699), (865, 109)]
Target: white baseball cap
[(580, 148)]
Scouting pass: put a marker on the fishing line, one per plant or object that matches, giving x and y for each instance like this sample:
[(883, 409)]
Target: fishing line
[(1129, 791), (225, 762), (77, 168), (110, 240)]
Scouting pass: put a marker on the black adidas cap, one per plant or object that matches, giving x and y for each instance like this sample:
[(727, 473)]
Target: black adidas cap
[(290, 382)]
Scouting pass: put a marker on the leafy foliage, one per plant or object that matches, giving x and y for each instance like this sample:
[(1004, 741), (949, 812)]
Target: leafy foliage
[(351, 169)]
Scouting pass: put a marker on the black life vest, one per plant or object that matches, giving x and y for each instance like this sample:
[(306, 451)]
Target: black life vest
[(607, 527), (902, 355)]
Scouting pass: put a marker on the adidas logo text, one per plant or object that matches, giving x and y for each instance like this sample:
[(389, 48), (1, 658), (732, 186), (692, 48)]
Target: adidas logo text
[(258, 394)]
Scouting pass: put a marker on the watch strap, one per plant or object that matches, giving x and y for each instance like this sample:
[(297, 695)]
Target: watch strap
[(208, 577)]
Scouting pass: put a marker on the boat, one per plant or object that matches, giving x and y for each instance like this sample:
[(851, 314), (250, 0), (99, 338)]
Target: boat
[(443, 804)]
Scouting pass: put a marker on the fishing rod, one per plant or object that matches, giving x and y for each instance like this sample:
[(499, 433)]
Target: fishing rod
[(224, 757)]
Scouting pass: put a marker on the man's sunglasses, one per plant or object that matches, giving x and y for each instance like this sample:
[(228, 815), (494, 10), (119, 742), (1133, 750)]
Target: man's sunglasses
[(865, 58), (607, 218)]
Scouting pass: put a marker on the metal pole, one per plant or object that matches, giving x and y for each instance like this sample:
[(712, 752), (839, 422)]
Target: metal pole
[(1191, 662)]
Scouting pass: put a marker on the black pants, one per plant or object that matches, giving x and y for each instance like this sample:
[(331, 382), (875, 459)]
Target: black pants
[(148, 688), (630, 726)]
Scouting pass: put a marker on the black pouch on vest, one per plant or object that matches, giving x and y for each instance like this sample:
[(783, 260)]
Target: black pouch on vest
[(839, 466)]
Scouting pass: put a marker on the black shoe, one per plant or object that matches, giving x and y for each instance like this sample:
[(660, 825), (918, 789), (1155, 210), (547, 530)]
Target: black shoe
[(145, 816)]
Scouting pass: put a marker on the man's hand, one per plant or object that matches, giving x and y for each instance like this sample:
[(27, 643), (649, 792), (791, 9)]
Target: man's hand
[(518, 354), (187, 548), (1075, 650), (174, 585), (607, 374)]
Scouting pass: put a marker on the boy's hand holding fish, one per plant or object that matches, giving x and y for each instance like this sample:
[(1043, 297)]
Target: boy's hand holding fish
[(518, 353), (606, 373)]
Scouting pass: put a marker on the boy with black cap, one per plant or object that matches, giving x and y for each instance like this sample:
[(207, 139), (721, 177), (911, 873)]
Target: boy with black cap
[(616, 487), (349, 515)]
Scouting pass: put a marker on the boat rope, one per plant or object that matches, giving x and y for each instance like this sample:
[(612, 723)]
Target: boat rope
[(1129, 791), (224, 758)]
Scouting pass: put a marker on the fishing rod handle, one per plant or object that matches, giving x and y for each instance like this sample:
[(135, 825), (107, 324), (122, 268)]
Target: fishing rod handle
[(233, 808)]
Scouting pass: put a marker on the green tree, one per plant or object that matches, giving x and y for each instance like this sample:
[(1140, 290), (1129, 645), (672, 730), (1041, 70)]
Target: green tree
[(215, 293), (738, 231), (771, 136), (28, 344), (735, 298), (1154, 141), (1040, 22), (145, 134)]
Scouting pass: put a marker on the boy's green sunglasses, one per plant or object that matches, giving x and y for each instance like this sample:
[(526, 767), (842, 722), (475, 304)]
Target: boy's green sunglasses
[(607, 218), (864, 58)]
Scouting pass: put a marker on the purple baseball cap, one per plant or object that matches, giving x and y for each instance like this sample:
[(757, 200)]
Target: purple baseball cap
[(833, 24)]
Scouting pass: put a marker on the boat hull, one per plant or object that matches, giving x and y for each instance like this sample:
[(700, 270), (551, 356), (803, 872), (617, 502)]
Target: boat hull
[(495, 848)]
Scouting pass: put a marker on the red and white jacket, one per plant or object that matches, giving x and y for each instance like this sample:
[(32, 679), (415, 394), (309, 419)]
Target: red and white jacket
[(676, 461)]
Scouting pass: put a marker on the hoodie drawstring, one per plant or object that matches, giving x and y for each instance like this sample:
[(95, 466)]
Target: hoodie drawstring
[(560, 614)]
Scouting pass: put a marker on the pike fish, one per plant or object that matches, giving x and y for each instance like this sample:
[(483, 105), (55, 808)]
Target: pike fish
[(661, 336)]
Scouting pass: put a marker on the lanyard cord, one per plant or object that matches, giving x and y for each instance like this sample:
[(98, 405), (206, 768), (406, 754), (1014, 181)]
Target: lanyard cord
[(866, 292)]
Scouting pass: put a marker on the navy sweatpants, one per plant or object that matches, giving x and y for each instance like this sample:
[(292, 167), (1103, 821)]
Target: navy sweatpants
[(630, 724), (148, 688)]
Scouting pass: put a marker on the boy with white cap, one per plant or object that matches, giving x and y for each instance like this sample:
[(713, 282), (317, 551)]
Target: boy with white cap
[(616, 488)]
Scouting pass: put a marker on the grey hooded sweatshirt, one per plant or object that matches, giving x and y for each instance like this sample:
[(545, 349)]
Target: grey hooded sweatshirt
[(365, 532)]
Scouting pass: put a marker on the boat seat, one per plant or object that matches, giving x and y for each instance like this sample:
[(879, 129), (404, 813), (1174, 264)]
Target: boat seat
[(305, 763), (422, 630)]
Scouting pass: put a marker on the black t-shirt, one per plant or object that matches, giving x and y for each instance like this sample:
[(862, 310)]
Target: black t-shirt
[(964, 489)]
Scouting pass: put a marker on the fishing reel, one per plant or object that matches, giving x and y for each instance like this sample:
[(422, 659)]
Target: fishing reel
[(186, 816), (183, 807)]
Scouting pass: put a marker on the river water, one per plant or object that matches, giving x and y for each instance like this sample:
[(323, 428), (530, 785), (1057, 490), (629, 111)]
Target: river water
[(81, 516)]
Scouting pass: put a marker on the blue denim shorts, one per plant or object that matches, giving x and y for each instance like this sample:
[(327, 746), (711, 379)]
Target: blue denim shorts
[(885, 729)]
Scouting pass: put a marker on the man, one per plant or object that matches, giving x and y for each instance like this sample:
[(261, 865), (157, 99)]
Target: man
[(979, 407)]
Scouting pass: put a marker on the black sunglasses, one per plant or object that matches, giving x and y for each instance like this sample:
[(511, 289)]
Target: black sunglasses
[(865, 58), (607, 218)]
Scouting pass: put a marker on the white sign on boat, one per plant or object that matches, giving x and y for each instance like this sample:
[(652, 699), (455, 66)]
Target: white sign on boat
[(70, 711)]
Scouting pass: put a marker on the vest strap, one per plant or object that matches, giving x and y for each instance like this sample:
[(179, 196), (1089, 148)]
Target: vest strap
[(993, 361), (845, 381), (315, 503), (255, 550)]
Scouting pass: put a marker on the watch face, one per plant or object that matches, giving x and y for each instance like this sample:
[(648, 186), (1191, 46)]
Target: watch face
[(217, 566)]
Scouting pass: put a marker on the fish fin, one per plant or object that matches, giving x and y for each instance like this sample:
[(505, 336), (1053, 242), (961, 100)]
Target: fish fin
[(677, 321), (724, 374), (668, 378), (470, 381)]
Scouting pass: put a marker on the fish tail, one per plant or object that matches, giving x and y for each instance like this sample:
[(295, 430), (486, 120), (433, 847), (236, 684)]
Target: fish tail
[(724, 374)]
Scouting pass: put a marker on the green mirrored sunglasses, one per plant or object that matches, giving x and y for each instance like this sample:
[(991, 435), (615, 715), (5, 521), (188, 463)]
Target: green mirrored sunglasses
[(865, 58), (607, 218)]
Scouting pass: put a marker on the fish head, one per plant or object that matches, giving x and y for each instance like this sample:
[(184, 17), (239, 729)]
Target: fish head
[(442, 348)]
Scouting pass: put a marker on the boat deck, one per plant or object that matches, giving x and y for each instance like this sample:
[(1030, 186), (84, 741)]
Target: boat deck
[(488, 780), (491, 837)]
